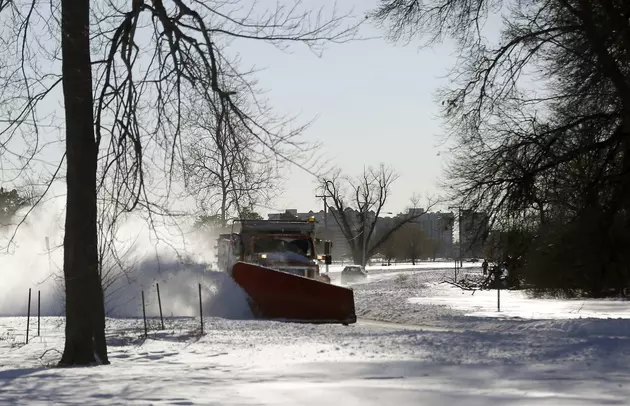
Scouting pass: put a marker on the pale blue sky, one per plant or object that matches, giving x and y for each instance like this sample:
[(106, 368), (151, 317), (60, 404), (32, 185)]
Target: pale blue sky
[(375, 102)]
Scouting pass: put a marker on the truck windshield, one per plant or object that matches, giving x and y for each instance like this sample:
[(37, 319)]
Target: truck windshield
[(302, 246)]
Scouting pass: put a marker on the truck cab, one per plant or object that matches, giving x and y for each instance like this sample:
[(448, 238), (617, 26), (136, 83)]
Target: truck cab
[(285, 245), (277, 264)]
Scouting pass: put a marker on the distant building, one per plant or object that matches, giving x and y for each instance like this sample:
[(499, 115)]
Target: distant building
[(435, 225), (438, 226)]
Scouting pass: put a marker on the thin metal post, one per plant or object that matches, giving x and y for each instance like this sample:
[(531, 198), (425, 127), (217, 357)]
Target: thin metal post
[(144, 316), (160, 304), (39, 308), (200, 309), (28, 314)]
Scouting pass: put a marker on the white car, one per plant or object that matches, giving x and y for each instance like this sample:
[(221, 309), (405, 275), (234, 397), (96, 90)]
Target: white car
[(353, 273)]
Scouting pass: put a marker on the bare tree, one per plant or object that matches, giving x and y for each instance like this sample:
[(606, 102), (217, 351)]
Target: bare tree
[(507, 151), (412, 241), (389, 248), (123, 110), (559, 149), (356, 206), (225, 168)]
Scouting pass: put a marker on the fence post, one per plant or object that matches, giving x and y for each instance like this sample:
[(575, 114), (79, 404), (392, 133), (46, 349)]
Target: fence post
[(39, 308), (200, 309), (160, 304), (28, 314), (144, 316), (499, 297)]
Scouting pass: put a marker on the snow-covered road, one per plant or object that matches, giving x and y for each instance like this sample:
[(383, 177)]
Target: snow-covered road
[(258, 362), (400, 352)]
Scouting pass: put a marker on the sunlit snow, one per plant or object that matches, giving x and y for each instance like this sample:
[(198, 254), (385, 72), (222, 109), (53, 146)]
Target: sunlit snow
[(417, 342)]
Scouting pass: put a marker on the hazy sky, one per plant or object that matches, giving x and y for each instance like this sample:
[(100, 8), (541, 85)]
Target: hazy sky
[(375, 102)]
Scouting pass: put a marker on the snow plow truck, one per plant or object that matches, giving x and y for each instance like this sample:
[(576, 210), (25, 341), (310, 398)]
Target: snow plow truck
[(276, 263)]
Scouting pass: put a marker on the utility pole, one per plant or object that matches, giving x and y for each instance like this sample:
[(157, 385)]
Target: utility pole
[(326, 233), (461, 259), (325, 210), (459, 222)]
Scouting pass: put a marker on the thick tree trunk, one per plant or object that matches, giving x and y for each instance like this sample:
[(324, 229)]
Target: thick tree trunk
[(85, 312), (357, 256)]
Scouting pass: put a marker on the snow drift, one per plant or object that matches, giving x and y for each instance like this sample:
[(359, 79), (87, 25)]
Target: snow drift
[(32, 259), (179, 291), (179, 260)]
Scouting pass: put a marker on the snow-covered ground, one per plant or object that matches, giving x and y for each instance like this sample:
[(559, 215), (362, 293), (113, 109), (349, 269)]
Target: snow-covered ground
[(258, 362), (427, 265), (423, 297), (508, 303), (433, 345)]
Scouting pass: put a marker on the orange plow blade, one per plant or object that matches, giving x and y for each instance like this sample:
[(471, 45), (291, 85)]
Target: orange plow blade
[(280, 295)]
